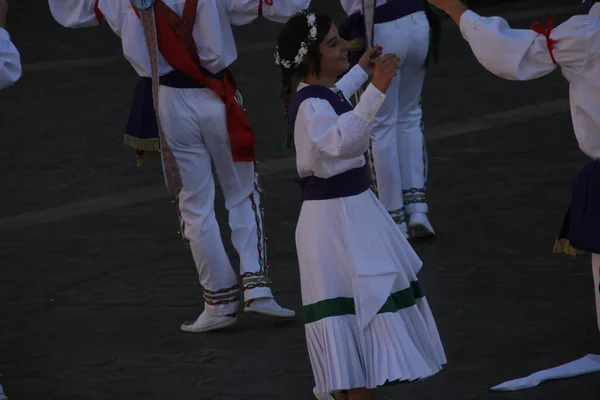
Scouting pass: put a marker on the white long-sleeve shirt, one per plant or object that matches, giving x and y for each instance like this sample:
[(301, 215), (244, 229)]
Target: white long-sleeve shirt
[(522, 54), (10, 61), (212, 28), (328, 144)]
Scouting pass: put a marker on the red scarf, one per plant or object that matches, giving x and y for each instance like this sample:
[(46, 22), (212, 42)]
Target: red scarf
[(176, 44), (99, 15)]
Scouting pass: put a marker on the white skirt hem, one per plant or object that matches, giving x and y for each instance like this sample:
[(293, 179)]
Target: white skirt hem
[(395, 347)]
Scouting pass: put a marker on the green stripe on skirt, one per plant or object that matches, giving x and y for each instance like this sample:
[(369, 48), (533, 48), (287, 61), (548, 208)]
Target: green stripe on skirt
[(345, 305)]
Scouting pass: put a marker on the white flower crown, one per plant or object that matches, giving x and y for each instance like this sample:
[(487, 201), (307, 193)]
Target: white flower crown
[(303, 50)]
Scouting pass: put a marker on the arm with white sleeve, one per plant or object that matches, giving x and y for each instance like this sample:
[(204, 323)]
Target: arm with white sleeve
[(88, 13), (10, 61), (352, 81), (242, 12), (343, 136), (523, 54)]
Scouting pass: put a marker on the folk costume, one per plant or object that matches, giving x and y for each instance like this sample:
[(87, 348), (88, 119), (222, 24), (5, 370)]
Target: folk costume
[(367, 320), (409, 29), (525, 54), (200, 119)]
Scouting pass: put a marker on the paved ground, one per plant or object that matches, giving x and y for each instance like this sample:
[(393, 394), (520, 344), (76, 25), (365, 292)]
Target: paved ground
[(94, 281)]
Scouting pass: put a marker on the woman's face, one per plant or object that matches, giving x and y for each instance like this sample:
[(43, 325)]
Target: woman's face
[(334, 54)]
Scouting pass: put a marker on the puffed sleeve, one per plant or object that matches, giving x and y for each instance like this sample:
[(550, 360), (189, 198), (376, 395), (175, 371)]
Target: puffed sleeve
[(523, 54), (242, 12), (10, 61), (343, 136)]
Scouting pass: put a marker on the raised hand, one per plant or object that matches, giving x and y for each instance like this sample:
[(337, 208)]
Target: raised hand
[(386, 68), (367, 61)]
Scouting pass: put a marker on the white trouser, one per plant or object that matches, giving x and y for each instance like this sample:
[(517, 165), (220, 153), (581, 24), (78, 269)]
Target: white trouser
[(596, 274), (195, 127), (398, 144)]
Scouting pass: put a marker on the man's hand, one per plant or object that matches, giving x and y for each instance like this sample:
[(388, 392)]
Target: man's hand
[(454, 8), (367, 61), (3, 12)]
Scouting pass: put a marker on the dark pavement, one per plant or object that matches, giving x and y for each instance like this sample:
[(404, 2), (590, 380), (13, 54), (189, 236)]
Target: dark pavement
[(94, 280)]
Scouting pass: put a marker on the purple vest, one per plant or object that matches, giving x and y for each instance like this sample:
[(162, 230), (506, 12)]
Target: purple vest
[(346, 184)]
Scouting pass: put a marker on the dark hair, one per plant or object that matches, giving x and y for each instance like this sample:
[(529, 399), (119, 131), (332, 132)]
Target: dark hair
[(295, 31)]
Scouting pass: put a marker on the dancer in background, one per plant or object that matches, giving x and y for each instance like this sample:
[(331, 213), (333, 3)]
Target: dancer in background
[(201, 122), (406, 28), (525, 54)]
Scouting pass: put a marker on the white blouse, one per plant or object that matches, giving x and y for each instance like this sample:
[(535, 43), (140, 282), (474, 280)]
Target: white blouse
[(212, 30), (522, 54), (10, 61), (328, 144)]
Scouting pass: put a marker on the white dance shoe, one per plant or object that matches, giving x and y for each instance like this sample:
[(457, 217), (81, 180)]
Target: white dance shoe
[(420, 226), (207, 322), (268, 306)]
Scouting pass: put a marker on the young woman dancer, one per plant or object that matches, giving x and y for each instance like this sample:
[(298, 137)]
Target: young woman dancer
[(367, 320)]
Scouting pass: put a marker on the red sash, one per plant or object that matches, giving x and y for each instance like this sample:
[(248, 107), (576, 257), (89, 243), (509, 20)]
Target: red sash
[(260, 6), (99, 15), (177, 46)]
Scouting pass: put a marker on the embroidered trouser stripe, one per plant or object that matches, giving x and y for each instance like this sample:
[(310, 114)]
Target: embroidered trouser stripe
[(252, 246), (222, 296), (399, 216)]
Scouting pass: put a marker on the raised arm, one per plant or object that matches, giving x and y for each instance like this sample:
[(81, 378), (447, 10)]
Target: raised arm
[(352, 81), (76, 13), (524, 54), (242, 12), (515, 54), (521, 54), (343, 136)]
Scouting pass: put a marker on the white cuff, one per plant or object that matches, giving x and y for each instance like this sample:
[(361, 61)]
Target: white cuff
[(358, 75), (370, 102), (469, 20)]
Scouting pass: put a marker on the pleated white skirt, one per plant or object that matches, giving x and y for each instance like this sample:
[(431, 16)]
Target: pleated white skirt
[(367, 320)]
